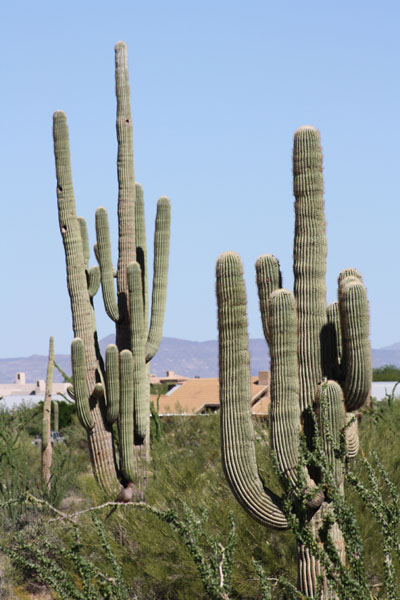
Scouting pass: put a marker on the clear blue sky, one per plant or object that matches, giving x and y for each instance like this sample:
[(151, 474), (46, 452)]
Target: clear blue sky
[(218, 89)]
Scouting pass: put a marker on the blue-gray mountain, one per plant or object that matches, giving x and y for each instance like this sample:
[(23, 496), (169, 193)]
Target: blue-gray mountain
[(184, 357)]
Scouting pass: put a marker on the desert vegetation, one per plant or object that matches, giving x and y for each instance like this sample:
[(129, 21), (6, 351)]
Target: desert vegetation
[(174, 545), (102, 517)]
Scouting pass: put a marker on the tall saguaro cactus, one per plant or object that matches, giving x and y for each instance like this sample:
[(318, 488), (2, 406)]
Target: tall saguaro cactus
[(113, 397), (315, 349)]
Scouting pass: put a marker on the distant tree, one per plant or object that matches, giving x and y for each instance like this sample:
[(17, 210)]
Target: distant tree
[(386, 373), (66, 410)]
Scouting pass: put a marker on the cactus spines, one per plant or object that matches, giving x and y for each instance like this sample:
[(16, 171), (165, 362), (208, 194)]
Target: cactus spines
[(320, 356), (117, 392)]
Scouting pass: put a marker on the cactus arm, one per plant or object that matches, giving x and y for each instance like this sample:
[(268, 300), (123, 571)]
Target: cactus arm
[(79, 382), (141, 250), (103, 249), (85, 241), (309, 258), (330, 407), (237, 433), (126, 416), (112, 383), (357, 363), (160, 276), (125, 169), (351, 435), (94, 279), (269, 278), (331, 350), (285, 408), (141, 382), (82, 312)]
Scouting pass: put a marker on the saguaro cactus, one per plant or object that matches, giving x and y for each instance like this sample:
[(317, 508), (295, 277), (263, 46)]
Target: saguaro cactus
[(115, 394), (47, 451), (314, 349)]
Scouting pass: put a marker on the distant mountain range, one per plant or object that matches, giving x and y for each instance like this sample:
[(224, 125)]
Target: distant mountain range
[(181, 356)]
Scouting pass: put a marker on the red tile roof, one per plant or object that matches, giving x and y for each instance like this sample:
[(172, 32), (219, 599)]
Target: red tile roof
[(197, 395)]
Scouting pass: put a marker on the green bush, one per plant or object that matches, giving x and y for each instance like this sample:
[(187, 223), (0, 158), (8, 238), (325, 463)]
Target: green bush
[(386, 373)]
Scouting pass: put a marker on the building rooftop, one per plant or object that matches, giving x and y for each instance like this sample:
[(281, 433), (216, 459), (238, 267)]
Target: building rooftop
[(201, 395)]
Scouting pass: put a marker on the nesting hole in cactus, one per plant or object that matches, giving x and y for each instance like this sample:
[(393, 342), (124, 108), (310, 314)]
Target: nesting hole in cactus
[(59, 187), (63, 229), (127, 121)]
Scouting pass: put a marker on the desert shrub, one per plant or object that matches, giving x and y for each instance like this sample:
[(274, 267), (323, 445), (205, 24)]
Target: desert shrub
[(386, 373), (186, 479)]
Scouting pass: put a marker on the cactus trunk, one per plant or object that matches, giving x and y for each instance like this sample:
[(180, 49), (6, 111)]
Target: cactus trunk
[(47, 450)]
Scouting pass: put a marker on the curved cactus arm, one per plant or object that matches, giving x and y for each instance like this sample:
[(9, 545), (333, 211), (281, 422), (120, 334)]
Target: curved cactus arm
[(357, 362), (85, 241), (269, 278), (141, 382), (285, 408), (96, 252), (126, 428), (351, 435), (94, 279), (331, 411), (160, 276), (103, 250), (237, 433), (79, 382), (309, 258), (141, 250), (125, 169), (112, 383)]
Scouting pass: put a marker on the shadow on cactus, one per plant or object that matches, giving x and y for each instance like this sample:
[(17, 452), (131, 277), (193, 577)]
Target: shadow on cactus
[(112, 396), (315, 349)]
